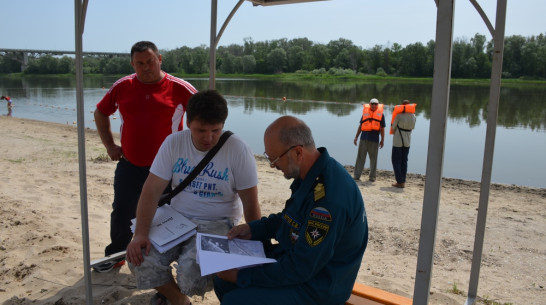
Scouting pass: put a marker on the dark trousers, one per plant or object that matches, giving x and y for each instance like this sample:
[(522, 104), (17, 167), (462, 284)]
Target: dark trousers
[(128, 182), (399, 158), (231, 294)]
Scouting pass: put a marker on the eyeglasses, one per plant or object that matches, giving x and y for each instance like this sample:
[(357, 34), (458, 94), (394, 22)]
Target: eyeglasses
[(272, 163)]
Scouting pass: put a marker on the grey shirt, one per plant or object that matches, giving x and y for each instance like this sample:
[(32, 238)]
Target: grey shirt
[(403, 121)]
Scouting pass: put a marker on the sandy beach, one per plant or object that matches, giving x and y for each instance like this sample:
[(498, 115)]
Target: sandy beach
[(41, 258)]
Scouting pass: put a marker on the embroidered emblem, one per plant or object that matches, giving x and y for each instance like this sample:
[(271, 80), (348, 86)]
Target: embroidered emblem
[(291, 222), (293, 236), (321, 213), (294, 227), (316, 232), (319, 192)]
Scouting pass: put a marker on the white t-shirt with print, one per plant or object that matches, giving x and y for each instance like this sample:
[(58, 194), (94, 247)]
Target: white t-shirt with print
[(212, 194)]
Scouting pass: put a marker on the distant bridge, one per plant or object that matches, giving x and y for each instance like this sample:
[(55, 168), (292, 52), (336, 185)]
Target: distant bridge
[(21, 55)]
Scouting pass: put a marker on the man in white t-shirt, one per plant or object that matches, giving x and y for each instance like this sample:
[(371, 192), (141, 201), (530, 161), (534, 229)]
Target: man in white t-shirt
[(215, 200)]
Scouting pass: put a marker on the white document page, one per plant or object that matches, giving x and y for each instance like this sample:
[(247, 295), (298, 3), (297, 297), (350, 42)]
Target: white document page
[(216, 253), (168, 224), (168, 246), (168, 228)]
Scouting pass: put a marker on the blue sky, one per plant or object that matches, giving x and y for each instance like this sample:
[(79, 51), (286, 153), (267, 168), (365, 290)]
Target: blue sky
[(114, 25)]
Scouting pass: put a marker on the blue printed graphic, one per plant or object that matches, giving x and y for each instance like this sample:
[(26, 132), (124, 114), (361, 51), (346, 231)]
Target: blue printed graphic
[(204, 189)]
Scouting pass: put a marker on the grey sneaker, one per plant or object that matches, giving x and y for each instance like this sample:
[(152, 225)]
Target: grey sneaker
[(109, 266)]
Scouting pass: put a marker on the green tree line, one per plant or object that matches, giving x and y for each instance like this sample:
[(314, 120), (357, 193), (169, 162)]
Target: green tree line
[(524, 57)]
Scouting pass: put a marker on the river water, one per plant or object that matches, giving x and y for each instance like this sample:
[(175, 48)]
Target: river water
[(332, 109)]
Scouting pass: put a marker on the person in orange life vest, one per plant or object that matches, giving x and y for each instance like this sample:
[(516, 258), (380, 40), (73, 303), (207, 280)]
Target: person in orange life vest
[(371, 129), (402, 124)]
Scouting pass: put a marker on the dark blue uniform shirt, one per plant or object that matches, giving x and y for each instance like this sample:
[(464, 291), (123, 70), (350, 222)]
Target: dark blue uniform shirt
[(322, 234)]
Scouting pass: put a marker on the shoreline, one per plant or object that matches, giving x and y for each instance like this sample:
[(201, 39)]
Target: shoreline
[(350, 168), (41, 247), (460, 161), (447, 182)]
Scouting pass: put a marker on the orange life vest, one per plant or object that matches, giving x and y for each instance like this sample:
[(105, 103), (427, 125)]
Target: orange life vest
[(407, 108), (371, 120)]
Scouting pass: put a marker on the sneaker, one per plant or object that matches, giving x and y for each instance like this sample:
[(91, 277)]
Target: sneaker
[(159, 299), (109, 266)]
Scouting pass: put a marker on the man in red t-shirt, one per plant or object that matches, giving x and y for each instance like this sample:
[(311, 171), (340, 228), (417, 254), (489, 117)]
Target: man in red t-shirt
[(151, 105)]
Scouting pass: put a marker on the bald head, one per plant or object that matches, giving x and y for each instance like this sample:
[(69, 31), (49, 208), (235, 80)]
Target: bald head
[(289, 131), (290, 147)]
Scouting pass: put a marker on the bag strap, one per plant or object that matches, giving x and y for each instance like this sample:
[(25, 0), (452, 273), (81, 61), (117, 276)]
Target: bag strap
[(400, 132), (197, 169)]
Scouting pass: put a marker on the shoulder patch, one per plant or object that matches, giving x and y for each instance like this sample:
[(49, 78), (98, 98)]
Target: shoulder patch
[(319, 191), (321, 213), (316, 232)]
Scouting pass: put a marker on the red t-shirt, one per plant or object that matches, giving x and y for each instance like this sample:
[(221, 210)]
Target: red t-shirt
[(149, 113)]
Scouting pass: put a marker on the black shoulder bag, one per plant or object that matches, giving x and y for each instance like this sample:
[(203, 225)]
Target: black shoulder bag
[(166, 198)]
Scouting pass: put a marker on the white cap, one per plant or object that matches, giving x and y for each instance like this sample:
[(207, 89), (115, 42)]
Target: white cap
[(374, 101)]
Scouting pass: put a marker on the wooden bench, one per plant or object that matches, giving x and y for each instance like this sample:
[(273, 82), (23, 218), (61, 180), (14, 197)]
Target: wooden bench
[(366, 295)]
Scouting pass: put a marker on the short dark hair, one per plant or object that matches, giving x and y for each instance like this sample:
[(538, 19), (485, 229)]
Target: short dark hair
[(142, 46), (208, 106)]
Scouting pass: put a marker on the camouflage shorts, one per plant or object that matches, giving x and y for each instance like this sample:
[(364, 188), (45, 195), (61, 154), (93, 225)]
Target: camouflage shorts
[(156, 268)]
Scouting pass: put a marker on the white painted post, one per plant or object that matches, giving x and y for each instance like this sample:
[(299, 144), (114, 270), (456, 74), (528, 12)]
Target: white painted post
[(492, 116), (436, 145)]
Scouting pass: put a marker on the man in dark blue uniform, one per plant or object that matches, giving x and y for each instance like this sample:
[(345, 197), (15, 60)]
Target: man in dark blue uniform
[(322, 232)]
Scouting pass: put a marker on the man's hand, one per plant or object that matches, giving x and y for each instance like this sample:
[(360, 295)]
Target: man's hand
[(228, 275), (114, 152), (102, 122), (134, 249), (240, 231)]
